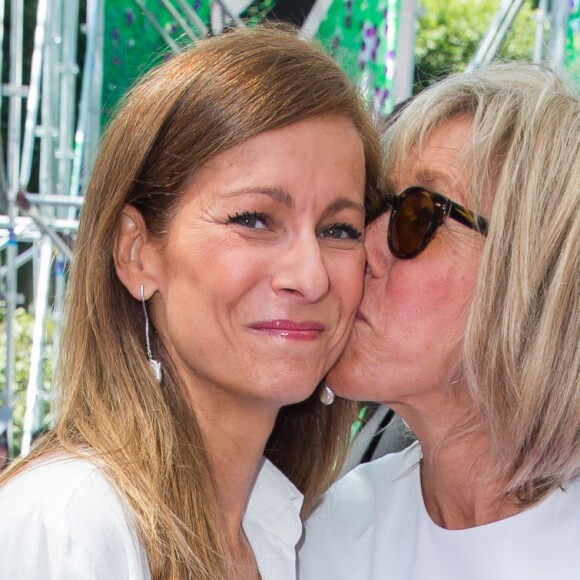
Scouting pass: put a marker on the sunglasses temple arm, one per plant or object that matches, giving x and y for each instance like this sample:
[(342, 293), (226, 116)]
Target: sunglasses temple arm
[(468, 218)]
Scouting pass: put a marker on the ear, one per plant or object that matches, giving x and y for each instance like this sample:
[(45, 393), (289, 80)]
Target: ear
[(133, 254)]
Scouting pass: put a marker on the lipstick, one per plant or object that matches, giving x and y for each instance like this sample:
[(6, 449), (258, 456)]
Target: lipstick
[(290, 329)]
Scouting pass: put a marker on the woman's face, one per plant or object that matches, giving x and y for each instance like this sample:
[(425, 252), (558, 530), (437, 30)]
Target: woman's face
[(261, 275), (404, 344)]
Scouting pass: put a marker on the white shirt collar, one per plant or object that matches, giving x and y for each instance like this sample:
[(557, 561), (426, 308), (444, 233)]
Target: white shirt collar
[(272, 523)]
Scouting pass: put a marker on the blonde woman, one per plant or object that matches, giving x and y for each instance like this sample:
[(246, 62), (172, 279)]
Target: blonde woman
[(470, 329), (217, 271)]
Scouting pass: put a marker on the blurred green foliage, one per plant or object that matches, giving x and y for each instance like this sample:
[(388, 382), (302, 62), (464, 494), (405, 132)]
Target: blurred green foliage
[(23, 331), (448, 34)]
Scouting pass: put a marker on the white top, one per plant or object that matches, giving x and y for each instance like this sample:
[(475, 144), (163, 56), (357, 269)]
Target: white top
[(373, 525), (62, 520)]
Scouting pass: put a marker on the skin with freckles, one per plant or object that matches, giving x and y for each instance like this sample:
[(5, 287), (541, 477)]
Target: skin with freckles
[(405, 340), (261, 273)]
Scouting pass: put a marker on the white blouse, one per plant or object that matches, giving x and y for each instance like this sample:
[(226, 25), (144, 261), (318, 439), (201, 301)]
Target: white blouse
[(373, 525), (62, 520)]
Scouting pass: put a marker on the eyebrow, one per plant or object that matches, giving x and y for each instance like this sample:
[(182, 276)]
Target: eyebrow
[(428, 175), (345, 203), (445, 182), (283, 197), (278, 195)]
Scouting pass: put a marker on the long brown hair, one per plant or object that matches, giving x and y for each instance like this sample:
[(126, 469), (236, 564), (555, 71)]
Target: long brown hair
[(222, 92)]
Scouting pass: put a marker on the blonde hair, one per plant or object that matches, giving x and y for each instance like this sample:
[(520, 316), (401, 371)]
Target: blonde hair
[(521, 349), (222, 92)]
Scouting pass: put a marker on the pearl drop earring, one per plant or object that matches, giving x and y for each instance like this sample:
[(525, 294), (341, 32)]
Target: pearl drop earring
[(326, 394)]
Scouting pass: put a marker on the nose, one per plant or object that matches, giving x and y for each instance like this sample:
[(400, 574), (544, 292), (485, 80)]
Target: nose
[(301, 269), (379, 257)]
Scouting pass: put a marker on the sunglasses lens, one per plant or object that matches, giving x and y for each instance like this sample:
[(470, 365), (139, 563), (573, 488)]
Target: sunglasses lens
[(412, 223)]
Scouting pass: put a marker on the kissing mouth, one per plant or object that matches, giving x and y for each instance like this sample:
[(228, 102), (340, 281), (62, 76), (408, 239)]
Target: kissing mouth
[(360, 316)]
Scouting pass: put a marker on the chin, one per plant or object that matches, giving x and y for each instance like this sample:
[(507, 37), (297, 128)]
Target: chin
[(288, 393), (346, 382)]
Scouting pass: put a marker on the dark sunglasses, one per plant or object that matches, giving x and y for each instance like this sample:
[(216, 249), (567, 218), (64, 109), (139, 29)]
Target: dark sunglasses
[(416, 215)]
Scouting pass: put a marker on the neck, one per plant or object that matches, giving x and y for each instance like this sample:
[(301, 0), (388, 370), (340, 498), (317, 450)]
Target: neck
[(235, 468), (236, 437), (458, 487), (458, 484), (235, 433)]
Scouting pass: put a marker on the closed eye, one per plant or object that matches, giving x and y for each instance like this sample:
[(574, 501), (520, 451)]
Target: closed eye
[(250, 219)]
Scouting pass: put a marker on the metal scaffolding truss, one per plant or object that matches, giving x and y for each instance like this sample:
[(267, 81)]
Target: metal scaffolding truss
[(52, 131)]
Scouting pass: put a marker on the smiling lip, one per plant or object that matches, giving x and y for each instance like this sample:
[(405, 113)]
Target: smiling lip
[(290, 329)]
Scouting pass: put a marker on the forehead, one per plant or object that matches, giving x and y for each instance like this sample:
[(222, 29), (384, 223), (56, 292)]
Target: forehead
[(440, 162), (306, 162)]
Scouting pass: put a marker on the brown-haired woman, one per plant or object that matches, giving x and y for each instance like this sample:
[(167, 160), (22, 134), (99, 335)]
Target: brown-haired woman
[(218, 268)]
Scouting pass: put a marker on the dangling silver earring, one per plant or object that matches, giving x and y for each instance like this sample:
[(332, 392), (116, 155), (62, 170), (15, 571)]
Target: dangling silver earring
[(154, 364), (326, 394)]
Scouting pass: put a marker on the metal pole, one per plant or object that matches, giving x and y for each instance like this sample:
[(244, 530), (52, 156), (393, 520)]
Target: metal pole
[(23, 258), (558, 34), (193, 17), (405, 60), (53, 200), (39, 220), (315, 17), (89, 93), (3, 184), (232, 8), (35, 374), (27, 229), (33, 95), (180, 20), (69, 71), (49, 103), (541, 17), (16, 92), (496, 32), (93, 125), (160, 30)]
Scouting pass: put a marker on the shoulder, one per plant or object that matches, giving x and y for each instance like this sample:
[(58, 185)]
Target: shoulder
[(65, 512), (60, 489), (63, 474), (339, 536)]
